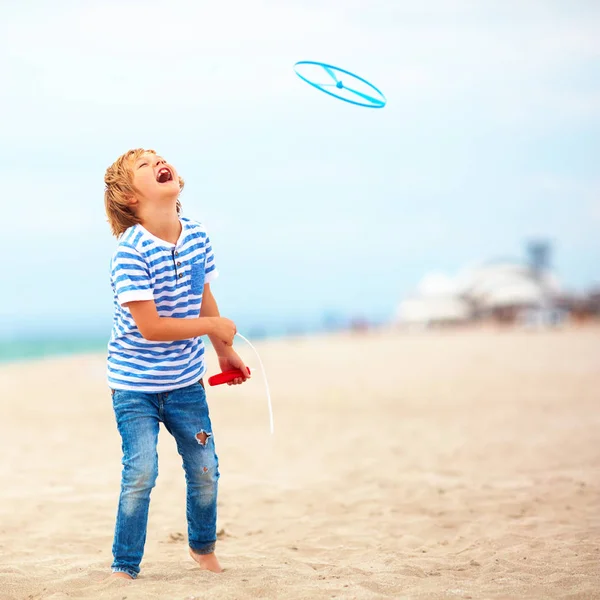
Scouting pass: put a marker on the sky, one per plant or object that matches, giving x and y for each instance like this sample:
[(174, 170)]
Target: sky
[(490, 138)]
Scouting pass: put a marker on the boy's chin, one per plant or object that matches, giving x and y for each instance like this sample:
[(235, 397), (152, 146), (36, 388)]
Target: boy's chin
[(167, 192)]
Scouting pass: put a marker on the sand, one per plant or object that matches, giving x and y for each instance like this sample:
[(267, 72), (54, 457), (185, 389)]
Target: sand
[(457, 464)]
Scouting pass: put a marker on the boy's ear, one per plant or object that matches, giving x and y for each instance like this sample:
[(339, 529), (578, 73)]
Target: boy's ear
[(132, 201)]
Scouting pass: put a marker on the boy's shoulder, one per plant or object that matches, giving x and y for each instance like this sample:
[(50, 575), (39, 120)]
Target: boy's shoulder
[(129, 244), (131, 239), (193, 224), (196, 228)]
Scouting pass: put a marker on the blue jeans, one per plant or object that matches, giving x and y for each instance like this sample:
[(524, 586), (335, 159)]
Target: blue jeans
[(184, 413)]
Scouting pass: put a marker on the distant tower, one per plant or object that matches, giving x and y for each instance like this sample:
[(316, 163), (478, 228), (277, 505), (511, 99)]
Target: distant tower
[(539, 263), (539, 257)]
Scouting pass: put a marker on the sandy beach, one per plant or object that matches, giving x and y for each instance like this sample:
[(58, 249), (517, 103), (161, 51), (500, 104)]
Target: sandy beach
[(457, 464)]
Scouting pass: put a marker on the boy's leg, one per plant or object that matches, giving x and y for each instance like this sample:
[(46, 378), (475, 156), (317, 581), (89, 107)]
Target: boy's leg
[(186, 417), (138, 423)]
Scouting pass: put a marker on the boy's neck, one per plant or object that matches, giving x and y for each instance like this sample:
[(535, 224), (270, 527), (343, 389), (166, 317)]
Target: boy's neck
[(163, 225)]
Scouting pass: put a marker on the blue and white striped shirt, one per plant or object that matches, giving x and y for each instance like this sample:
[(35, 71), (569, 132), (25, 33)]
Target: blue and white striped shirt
[(145, 267)]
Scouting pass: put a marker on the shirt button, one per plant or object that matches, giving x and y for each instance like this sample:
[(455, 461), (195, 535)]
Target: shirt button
[(176, 253), (178, 264), (180, 275)]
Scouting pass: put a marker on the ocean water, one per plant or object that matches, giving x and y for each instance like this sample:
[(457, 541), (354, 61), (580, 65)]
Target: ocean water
[(16, 350), (32, 345), (33, 348)]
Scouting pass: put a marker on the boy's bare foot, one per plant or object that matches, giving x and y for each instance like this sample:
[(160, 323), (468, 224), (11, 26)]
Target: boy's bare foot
[(208, 562), (121, 575)]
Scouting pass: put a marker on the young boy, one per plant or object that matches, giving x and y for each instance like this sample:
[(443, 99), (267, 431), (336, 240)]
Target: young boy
[(161, 274)]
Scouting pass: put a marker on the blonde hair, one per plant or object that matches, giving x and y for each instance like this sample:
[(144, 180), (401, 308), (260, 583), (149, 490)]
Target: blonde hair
[(118, 180)]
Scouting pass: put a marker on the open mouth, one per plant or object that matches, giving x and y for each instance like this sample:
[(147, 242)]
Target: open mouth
[(164, 175)]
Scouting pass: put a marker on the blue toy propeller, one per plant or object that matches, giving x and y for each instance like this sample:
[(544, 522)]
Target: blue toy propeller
[(340, 84)]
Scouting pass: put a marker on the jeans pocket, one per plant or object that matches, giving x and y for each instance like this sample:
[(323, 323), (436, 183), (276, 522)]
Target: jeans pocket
[(197, 277), (117, 396)]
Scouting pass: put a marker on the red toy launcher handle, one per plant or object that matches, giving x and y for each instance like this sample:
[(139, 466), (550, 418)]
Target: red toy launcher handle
[(226, 376)]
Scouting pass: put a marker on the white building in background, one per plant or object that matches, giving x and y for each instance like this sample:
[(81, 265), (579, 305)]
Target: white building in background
[(437, 300), (503, 291), (425, 311)]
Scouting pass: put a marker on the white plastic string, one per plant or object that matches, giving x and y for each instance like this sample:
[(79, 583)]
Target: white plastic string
[(265, 378)]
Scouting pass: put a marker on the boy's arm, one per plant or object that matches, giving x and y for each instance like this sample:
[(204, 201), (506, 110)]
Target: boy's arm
[(210, 309), (167, 329)]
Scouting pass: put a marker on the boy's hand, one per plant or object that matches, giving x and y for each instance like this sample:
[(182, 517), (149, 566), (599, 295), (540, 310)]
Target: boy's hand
[(223, 329), (230, 361)]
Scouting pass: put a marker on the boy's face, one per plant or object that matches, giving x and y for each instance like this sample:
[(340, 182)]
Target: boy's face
[(154, 179)]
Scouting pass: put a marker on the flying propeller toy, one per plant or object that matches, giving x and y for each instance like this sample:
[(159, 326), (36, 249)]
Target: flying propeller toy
[(340, 84)]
